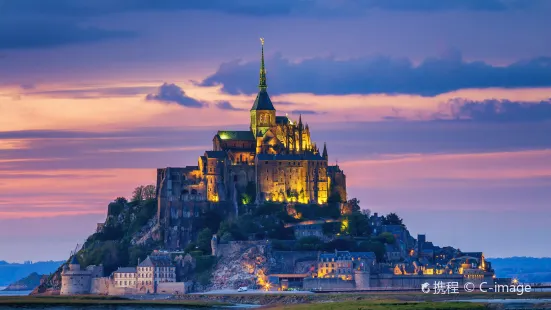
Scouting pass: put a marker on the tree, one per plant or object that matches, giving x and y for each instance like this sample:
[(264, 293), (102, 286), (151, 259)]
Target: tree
[(203, 240), (143, 192), (149, 192), (137, 194), (392, 219), (354, 204), (373, 246), (121, 200), (386, 237), (358, 224)]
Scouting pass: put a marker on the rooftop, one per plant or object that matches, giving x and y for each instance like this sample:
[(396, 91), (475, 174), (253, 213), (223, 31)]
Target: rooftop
[(156, 261), (215, 154), (263, 102), (245, 135), (125, 270), (305, 156)]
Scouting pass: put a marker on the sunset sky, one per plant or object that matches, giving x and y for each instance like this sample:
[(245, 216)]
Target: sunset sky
[(439, 111)]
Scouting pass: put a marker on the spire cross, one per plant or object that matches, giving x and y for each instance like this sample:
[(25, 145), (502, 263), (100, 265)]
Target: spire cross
[(262, 85)]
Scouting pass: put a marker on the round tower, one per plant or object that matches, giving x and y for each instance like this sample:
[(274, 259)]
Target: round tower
[(75, 281), (362, 278)]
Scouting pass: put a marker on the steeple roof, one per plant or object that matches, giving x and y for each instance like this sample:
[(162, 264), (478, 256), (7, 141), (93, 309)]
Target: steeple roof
[(262, 101), (74, 260)]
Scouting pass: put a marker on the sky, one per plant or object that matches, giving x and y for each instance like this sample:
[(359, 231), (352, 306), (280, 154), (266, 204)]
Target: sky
[(439, 111)]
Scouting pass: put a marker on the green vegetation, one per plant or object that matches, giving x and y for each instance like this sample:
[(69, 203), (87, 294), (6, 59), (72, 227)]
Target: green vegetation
[(111, 246), (392, 219)]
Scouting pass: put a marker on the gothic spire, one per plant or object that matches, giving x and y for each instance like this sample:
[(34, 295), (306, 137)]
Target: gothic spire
[(300, 121), (324, 155), (262, 85)]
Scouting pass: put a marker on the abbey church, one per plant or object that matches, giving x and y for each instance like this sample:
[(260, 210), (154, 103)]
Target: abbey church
[(274, 160)]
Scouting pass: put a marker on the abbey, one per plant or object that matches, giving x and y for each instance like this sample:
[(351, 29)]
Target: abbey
[(274, 160)]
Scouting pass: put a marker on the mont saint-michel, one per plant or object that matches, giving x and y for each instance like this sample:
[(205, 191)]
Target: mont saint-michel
[(262, 211)]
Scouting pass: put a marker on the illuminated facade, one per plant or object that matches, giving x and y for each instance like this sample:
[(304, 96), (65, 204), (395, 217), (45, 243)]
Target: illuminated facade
[(342, 264), (275, 158), (276, 153)]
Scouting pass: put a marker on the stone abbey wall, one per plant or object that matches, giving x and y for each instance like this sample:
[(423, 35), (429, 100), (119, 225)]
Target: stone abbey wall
[(328, 284), (410, 281)]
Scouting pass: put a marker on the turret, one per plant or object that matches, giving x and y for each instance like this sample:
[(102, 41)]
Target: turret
[(74, 265)]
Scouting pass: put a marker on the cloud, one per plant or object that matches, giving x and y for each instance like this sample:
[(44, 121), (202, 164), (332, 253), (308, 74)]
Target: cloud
[(226, 105), (84, 8), (329, 76), (172, 93), (306, 112), (495, 110), (88, 93), (29, 33)]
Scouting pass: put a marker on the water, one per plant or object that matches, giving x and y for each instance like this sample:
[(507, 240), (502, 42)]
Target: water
[(13, 293)]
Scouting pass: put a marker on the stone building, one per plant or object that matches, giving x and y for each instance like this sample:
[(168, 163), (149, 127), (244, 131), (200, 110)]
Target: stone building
[(75, 280), (342, 264), (155, 269), (125, 277), (275, 159)]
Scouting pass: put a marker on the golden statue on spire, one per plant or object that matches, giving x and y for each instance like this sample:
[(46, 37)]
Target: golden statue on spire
[(262, 41)]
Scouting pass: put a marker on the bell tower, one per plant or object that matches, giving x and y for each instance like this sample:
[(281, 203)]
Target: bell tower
[(263, 111)]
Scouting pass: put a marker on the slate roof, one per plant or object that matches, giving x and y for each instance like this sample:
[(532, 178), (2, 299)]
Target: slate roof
[(156, 261), (305, 156), (74, 260), (236, 135), (262, 101), (348, 255), (126, 270), (282, 120), (333, 169), (216, 154)]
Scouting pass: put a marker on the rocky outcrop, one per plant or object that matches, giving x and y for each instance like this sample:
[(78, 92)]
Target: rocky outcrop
[(244, 263), (49, 286), (28, 283)]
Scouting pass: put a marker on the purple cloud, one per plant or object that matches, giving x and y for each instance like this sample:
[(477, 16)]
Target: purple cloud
[(226, 105), (172, 93), (496, 110), (387, 75)]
